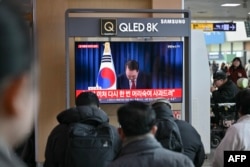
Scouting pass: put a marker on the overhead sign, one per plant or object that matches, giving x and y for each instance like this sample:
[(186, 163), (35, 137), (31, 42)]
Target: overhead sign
[(224, 27), (144, 27), (202, 26), (214, 26), (129, 27)]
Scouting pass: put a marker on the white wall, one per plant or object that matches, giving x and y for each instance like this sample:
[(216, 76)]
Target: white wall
[(200, 87)]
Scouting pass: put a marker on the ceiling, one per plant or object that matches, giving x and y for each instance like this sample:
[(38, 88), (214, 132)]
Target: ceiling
[(201, 9), (212, 10)]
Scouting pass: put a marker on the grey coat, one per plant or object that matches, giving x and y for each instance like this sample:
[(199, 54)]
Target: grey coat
[(9, 159), (148, 152)]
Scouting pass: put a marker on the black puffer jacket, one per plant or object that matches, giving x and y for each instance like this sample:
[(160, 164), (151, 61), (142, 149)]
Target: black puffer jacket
[(57, 140), (225, 93), (168, 133)]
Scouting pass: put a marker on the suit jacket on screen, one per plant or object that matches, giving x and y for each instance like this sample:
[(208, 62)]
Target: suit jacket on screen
[(143, 81)]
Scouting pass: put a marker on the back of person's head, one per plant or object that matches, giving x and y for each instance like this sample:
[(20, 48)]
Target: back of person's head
[(242, 100), (15, 46), (248, 60), (136, 118), (219, 75), (132, 65), (162, 107), (87, 98), (161, 101)]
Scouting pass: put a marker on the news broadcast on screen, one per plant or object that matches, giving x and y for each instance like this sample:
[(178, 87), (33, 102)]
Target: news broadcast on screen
[(98, 66)]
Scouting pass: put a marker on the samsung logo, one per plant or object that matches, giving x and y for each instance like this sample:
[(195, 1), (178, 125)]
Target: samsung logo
[(173, 21)]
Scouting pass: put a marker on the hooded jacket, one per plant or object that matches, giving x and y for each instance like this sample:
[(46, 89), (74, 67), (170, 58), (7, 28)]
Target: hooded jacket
[(190, 138), (168, 133), (58, 138)]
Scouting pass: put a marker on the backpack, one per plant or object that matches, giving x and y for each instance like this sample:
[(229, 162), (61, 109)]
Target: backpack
[(168, 134), (89, 145)]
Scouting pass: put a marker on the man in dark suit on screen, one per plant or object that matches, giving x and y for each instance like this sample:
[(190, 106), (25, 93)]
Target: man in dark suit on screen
[(133, 78)]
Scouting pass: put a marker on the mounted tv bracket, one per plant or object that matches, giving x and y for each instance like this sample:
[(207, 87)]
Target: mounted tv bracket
[(177, 24)]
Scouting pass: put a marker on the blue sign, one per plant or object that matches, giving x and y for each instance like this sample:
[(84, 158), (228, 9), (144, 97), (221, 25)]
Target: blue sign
[(214, 37), (224, 26)]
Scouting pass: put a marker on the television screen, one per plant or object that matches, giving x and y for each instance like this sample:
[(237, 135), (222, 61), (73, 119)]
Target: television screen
[(157, 68)]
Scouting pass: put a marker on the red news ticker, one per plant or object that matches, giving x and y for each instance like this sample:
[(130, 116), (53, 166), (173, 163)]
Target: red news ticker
[(88, 46), (135, 93)]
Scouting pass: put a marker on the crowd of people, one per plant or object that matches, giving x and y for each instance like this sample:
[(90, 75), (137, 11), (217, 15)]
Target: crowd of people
[(230, 85), (227, 81), (148, 134), (236, 71)]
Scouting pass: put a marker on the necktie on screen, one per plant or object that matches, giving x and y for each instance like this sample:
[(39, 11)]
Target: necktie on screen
[(133, 84)]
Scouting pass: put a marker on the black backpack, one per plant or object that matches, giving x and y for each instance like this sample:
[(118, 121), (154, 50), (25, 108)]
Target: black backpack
[(168, 134), (89, 145)]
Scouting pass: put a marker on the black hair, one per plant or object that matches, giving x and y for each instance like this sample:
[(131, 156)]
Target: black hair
[(237, 58), (136, 118), (219, 75), (87, 98), (242, 100), (132, 65), (16, 55)]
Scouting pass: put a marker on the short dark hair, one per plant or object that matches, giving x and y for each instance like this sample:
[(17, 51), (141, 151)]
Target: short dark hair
[(132, 65), (87, 98), (16, 56), (136, 118), (219, 75), (242, 100)]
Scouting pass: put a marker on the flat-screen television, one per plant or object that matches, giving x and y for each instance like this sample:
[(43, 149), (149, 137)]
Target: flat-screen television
[(98, 66)]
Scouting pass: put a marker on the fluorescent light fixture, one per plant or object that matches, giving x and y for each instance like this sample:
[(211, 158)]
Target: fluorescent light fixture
[(249, 13), (230, 4)]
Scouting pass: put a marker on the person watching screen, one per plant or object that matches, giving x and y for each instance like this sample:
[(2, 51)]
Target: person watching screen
[(133, 78), (191, 140), (140, 147), (67, 148)]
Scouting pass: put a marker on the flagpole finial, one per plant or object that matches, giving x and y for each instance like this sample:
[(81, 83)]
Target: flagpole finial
[(107, 48)]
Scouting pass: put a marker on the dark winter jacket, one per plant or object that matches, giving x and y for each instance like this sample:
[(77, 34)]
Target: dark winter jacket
[(168, 133), (148, 152), (57, 140), (192, 143), (225, 93)]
